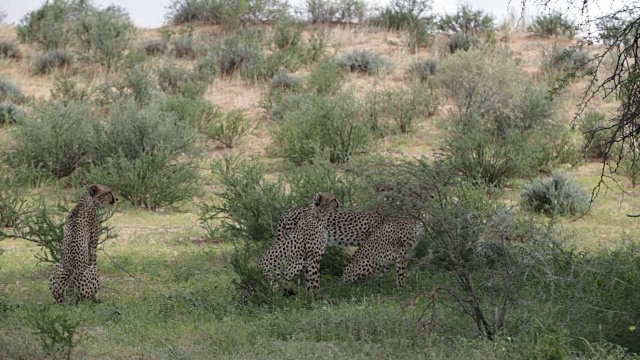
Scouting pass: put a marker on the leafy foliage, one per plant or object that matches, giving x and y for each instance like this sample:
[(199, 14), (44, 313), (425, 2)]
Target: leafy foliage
[(177, 80), (10, 50), (9, 113), (51, 27), (555, 195), (467, 21), (154, 47), (227, 129), (362, 61), (423, 70), (104, 36), (462, 41), (552, 24), (10, 92), (53, 60)]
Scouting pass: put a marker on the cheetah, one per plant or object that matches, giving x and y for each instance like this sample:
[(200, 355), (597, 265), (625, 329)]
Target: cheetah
[(78, 272), (301, 247), (390, 243)]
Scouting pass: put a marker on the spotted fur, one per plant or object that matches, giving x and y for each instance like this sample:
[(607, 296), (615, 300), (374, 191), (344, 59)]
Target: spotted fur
[(389, 244), (300, 244), (78, 274)]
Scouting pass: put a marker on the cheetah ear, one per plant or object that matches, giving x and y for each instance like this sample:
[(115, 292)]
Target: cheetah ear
[(93, 190), (337, 202)]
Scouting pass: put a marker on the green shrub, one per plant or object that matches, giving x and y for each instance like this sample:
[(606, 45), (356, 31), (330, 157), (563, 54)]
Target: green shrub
[(13, 203), (316, 47), (50, 27), (139, 82), (67, 90), (185, 47), (401, 14), (10, 92), (132, 132), (597, 138), (9, 113), (184, 12), (151, 180), (208, 67), (553, 24), (195, 112), (423, 70), (241, 53), (227, 129), (340, 11), (630, 165), (419, 34), (53, 60), (58, 333), (362, 61), (468, 21), (331, 124), (555, 195), (155, 47), (9, 50), (285, 81), (174, 79), (288, 103), (56, 138), (403, 106), (104, 36), (326, 78), (559, 59), (500, 119), (462, 41)]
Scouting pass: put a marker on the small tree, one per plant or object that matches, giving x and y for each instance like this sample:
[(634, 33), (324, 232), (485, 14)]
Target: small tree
[(104, 36), (466, 20)]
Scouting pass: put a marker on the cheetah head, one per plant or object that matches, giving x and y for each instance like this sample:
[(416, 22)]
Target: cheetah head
[(325, 200), (102, 194)]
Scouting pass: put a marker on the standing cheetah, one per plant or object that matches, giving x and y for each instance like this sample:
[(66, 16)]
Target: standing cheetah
[(390, 243), (300, 247), (78, 272)]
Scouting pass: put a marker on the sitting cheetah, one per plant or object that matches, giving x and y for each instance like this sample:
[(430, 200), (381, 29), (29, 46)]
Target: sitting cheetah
[(390, 243), (78, 272), (300, 247)]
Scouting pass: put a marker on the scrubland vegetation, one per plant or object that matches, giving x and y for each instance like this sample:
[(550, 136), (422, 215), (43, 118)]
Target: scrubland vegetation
[(213, 125)]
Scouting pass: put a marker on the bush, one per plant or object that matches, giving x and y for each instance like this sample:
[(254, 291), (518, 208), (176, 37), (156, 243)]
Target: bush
[(67, 90), (56, 138), (228, 129), (10, 92), (553, 24), (241, 53), (462, 41), (195, 112), (176, 80), (52, 60), (559, 59), (597, 139), (555, 195), (154, 47), (326, 78), (423, 70), (13, 204), (9, 113), (140, 84), (467, 21), (51, 26), (151, 180), (186, 47), (328, 11), (331, 124), (362, 61), (400, 14), (500, 119), (630, 164), (104, 36), (285, 81), (288, 103), (419, 34), (9, 50), (132, 132), (208, 67), (58, 333)]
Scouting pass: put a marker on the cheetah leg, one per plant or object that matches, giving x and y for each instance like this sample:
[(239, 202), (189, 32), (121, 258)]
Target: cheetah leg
[(401, 266), (312, 275), (290, 274), (89, 283), (58, 282)]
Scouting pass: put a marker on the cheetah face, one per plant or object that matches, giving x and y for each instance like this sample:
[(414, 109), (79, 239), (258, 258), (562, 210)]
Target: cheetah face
[(325, 200), (102, 194)]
